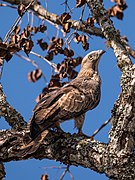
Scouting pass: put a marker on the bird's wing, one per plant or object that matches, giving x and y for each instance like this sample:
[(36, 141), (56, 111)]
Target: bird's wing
[(72, 101), (62, 104), (67, 99), (47, 99)]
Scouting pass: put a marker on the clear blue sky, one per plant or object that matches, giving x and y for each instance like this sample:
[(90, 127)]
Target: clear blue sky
[(21, 93)]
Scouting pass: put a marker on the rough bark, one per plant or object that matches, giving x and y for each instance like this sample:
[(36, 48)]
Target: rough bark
[(14, 118), (116, 158)]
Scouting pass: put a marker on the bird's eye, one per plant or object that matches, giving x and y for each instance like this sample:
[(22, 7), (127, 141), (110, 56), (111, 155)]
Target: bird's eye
[(90, 57)]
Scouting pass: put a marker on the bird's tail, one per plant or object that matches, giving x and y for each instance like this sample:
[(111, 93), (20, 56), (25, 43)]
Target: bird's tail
[(36, 130)]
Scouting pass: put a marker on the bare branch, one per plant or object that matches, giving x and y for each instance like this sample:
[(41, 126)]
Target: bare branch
[(127, 46), (29, 60), (53, 65), (44, 14), (64, 173), (101, 127), (54, 147), (7, 5), (77, 25), (17, 21)]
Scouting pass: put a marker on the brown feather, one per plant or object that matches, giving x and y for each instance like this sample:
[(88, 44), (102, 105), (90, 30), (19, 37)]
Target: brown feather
[(70, 101)]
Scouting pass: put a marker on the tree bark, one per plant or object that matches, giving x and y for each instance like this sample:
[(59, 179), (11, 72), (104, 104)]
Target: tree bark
[(116, 158)]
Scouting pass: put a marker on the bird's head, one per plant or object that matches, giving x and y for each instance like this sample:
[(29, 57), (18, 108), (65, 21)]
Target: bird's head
[(91, 60)]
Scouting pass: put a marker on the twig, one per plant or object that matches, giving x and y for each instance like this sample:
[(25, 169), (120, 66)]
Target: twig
[(57, 27), (32, 62), (66, 6), (55, 167), (7, 5), (53, 65), (32, 18), (67, 41), (17, 22), (81, 17), (28, 59), (1, 70), (99, 129), (64, 173)]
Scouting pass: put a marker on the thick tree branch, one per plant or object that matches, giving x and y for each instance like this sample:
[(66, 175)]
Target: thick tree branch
[(44, 14), (2, 171), (109, 31), (117, 158), (122, 135), (66, 148), (123, 131), (14, 118)]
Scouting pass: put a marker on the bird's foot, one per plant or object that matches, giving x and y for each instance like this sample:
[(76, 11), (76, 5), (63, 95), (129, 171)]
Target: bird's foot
[(58, 129), (80, 133)]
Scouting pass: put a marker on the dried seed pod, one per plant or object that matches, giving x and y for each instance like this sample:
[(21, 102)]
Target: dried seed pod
[(117, 10), (80, 3), (8, 56), (85, 46), (49, 56), (42, 44), (90, 22), (34, 75), (17, 30), (42, 28), (68, 52), (60, 42), (76, 61), (65, 17), (67, 26), (21, 9), (44, 177), (54, 82), (28, 46), (77, 38)]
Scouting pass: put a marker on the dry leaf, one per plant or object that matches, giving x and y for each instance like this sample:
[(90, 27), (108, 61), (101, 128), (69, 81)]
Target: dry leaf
[(67, 26), (35, 75), (65, 17), (21, 9), (80, 3)]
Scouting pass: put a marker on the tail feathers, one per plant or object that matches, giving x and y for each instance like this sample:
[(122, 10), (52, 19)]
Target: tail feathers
[(36, 129)]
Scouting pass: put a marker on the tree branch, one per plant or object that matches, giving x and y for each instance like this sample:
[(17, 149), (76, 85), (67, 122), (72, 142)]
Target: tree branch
[(66, 148), (111, 34), (44, 14), (122, 134), (14, 118), (2, 171), (77, 25), (117, 158)]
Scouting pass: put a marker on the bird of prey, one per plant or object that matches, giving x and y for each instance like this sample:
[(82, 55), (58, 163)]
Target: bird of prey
[(71, 101)]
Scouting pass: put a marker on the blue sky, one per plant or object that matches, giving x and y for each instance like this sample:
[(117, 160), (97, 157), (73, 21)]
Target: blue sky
[(21, 93)]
